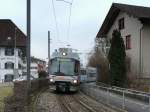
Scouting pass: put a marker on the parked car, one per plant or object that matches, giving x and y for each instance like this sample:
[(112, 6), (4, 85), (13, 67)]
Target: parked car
[(22, 78)]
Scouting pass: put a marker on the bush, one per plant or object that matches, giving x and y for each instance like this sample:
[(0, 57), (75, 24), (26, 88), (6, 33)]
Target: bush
[(42, 74), (21, 98), (43, 81)]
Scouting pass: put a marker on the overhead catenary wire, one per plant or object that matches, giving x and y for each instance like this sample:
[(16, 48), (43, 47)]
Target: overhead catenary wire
[(56, 23), (69, 21)]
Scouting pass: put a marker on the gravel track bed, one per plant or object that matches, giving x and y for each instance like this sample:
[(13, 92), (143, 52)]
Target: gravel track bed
[(73, 104), (98, 107), (47, 102), (50, 101)]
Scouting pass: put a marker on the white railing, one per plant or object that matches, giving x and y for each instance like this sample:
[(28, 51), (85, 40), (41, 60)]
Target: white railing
[(109, 95), (132, 91)]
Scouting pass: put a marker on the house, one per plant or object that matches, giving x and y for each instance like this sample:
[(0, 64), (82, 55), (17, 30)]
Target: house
[(134, 25), (12, 50), (37, 65)]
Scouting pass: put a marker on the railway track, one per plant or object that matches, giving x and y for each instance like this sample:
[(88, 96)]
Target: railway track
[(71, 103), (63, 104), (77, 99), (49, 101)]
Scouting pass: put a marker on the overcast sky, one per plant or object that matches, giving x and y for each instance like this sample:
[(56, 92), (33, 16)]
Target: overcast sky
[(86, 19)]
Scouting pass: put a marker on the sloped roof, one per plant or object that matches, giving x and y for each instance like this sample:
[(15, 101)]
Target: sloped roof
[(7, 34), (34, 59), (143, 13)]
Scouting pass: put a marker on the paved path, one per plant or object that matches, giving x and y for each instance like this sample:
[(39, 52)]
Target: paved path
[(131, 105)]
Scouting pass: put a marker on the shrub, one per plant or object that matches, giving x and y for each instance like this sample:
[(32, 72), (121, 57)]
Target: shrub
[(21, 98), (42, 74), (117, 60)]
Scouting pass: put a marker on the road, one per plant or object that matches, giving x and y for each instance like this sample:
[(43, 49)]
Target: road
[(131, 105)]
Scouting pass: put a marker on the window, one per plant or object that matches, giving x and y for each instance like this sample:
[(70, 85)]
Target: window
[(9, 51), (9, 77), (20, 53), (9, 65), (19, 66), (33, 67), (60, 65), (121, 23), (83, 72), (128, 42)]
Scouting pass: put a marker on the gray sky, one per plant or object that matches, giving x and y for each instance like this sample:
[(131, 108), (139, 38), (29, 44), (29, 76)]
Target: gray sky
[(87, 17)]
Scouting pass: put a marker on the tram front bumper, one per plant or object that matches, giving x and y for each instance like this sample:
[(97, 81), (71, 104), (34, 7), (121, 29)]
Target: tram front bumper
[(72, 87)]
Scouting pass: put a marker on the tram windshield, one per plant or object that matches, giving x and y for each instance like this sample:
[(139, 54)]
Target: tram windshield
[(63, 66)]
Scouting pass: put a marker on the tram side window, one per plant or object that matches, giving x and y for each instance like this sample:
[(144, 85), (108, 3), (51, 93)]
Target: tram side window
[(54, 66), (83, 72), (77, 66)]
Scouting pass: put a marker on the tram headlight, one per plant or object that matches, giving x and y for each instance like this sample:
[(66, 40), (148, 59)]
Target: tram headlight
[(64, 54), (51, 80), (75, 81)]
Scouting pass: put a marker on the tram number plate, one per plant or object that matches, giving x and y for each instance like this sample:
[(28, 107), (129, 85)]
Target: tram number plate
[(60, 78)]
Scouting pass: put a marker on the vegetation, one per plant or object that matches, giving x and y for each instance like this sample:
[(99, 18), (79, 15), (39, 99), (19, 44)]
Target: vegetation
[(117, 60), (99, 61), (42, 74), (22, 100), (5, 91)]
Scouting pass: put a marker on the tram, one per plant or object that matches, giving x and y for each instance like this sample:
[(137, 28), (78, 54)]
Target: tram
[(64, 70), (88, 74)]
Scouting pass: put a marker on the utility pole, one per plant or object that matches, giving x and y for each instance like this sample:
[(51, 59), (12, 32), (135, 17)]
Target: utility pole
[(28, 41), (49, 52)]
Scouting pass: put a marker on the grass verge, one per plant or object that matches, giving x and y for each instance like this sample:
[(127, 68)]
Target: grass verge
[(4, 92)]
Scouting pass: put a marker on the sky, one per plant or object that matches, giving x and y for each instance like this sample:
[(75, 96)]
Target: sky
[(87, 17)]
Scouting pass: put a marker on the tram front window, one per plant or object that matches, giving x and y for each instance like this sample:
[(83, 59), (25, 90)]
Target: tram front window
[(62, 67)]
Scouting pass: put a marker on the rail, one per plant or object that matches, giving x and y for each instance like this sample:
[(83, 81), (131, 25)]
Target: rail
[(130, 90), (65, 103), (84, 104)]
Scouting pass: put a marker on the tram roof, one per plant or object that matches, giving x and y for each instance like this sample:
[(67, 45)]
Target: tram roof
[(65, 53)]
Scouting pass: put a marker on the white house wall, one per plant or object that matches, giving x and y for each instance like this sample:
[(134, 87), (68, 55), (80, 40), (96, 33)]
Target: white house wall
[(4, 59), (146, 50), (132, 27), (33, 69)]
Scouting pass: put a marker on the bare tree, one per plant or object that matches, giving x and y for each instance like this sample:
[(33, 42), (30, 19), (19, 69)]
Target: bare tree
[(98, 60)]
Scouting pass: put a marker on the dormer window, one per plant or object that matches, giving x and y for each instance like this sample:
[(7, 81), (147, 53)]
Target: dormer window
[(121, 23)]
